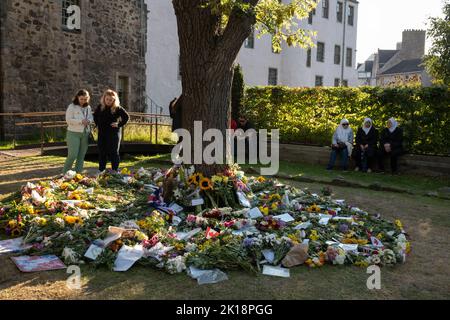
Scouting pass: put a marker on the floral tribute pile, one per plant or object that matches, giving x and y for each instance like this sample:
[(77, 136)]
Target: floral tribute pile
[(177, 218)]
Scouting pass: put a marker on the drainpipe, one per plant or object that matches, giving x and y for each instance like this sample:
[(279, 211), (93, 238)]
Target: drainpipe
[(344, 20)]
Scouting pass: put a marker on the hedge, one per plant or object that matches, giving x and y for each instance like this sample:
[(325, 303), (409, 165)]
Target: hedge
[(310, 115)]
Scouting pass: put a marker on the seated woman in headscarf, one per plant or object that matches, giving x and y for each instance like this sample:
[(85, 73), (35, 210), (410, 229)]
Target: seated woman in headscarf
[(366, 146), (342, 142), (391, 144)]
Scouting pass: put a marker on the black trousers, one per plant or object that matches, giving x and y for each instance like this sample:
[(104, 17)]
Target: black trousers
[(364, 159), (393, 155), (108, 149)]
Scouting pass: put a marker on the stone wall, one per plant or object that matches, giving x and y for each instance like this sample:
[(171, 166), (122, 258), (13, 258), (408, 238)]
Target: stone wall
[(43, 65)]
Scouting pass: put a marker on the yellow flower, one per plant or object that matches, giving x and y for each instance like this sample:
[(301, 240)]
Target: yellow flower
[(274, 206), (42, 222), (314, 235), (125, 171), (264, 210), (216, 179), (30, 210), (16, 232), (140, 236), (65, 185), (408, 247), (274, 196), (78, 177), (363, 264), (399, 224), (179, 246), (205, 184), (12, 224), (244, 179), (73, 220), (225, 179), (261, 179), (380, 236)]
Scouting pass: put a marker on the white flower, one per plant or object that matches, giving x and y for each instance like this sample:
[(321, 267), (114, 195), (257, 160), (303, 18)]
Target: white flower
[(176, 265), (340, 259), (70, 256), (70, 175), (191, 247), (83, 214), (60, 222), (375, 259)]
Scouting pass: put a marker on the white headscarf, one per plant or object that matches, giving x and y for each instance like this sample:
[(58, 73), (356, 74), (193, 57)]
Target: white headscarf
[(366, 130), (394, 125), (341, 132)]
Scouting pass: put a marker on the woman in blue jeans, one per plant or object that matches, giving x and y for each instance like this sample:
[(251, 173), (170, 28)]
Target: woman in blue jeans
[(342, 143)]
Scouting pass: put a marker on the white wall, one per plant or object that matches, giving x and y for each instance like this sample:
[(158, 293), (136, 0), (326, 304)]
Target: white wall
[(163, 83)]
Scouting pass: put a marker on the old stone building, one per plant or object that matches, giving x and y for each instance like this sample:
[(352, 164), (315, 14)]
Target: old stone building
[(44, 61)]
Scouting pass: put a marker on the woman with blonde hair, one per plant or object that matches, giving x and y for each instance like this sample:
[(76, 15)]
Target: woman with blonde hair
[(79, 119), (109, 117)]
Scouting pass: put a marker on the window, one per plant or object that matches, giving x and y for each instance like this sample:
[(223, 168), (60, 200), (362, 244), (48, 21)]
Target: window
[(250, 41), (319, 81), (123, 90), (325, 8), (351, 15), (349, 58), (310, 18), (339, 11), (273, 77), (337, 54), (336, 82), (320, 51), (345, 83), (71, 16), (308, 58)]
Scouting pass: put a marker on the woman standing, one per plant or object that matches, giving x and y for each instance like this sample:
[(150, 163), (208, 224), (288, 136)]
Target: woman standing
[(342, 142), (366, 146), (391, 144), (78, 118), (109, 117)]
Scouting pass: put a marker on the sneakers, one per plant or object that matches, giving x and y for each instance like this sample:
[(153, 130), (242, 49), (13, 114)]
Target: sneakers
[(356, 169)]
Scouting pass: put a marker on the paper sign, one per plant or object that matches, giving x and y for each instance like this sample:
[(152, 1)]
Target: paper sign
[(36, 263), (305, 241), (93, 252), (276, 271), (106, 210), (377, 243), (197, 202), (13, 245), (176, 220), (176, 208), (324, 221), (285, 217), (243, 199), (342, 218), (269, 255), (211, 233), (304, 225), (187, 235), (127, 257), (323, 215), (255, 213), (339, 202), (348, 247), (157, 251)]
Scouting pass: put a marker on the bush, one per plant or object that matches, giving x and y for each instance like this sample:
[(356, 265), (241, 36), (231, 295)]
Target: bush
[(310, 115)]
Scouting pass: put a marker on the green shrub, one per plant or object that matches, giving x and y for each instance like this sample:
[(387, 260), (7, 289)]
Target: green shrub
[(310, 115)]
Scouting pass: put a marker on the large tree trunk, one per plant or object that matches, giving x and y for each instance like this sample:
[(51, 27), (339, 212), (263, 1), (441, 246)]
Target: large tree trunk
[(207, 55)]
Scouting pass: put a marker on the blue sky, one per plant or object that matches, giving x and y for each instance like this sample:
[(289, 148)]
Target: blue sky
[(381, 22)]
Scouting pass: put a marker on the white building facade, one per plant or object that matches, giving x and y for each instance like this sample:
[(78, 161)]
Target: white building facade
[(332, 59)]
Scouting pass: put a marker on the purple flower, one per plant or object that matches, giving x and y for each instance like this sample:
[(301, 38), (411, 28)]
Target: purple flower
[(248, 242), (343, 228)]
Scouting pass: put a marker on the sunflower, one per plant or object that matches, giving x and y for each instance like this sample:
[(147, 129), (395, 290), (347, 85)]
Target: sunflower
[(261, 179), (16, 232), (12, 224), (205, 184), (195, 179)]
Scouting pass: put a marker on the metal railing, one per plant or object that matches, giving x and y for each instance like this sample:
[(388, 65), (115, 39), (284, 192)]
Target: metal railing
[(30, 124)]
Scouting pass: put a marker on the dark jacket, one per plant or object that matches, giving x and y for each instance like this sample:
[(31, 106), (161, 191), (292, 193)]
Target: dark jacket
[(104, 119), (395, 139), (371, 138), (176, 113)]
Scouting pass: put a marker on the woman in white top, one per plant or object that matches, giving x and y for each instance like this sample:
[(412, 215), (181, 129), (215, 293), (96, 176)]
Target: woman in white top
[(342, 143), (79, 119)]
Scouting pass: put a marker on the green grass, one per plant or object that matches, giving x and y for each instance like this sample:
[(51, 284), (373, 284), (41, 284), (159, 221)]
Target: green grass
[(413, 183)]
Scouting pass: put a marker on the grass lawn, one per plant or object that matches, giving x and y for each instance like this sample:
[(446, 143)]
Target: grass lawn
[(426, 274)]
